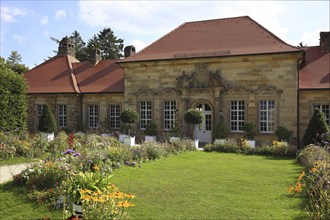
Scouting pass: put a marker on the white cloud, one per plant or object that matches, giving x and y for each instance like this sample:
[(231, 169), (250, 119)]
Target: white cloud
[(19, 39), (44, 20), (139, 45), (60, 14), (9, 14), (309, 38)]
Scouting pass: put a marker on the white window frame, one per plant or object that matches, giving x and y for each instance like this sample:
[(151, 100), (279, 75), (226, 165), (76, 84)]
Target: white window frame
[(62, 115), (169, 114), (145, 114), (93, 115), (325, 109), (267, 116), (235, 119), (114, 116)]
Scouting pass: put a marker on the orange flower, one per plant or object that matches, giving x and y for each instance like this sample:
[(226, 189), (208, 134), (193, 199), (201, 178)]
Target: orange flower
[(50, 190), (125, 204), (130, 196), (313, 170), (290, 189), (301, 175)]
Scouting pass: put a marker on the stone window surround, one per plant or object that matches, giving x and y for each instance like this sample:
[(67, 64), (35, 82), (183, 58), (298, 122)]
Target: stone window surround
[(58, 114), (245, 111), (163, 113), (109, 111), (139, 109), (87, 113)]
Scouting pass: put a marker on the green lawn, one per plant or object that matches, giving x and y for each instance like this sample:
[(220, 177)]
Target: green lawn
[(16, 160), (199, 185)]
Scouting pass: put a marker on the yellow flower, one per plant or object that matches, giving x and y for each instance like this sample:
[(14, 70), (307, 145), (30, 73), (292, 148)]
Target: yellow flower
[(290, 189), (130, 196), (115, 212), (301, 175), (96, 167), (313, 170), (119, 195), (48, 164), (125, 204)]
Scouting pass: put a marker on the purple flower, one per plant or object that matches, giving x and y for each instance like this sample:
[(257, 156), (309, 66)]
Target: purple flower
[(68, 151), (76, 154), (133, 163), (90, 161)]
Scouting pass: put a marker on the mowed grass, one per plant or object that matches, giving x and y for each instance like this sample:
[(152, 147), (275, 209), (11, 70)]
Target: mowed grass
[(200, 185)]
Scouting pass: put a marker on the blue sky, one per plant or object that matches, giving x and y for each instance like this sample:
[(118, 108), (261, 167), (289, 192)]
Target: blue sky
[(26, 26)]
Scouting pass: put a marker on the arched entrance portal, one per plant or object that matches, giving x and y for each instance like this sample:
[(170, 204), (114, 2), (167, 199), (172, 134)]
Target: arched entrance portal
[(203, 131)]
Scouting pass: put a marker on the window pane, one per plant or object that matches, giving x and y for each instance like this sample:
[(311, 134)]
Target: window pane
[(267, 116), (145, 114), (114, 116), (237, 115)]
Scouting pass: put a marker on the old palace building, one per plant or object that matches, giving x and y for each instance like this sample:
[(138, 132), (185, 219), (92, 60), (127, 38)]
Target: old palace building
[(234, 70)]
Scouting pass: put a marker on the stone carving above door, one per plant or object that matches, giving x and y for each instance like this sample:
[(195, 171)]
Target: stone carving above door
[(201, 77)]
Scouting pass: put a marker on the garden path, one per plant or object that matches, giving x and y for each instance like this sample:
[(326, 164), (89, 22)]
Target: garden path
[(8, 171)]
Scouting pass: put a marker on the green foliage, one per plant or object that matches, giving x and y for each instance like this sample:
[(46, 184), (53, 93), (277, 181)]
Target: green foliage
[(13, 104), (193, 116), (47, 122), (250, 131), (283, 134), (151, 129), (14, 63), (228, 146), (316, 126), (220, 131)]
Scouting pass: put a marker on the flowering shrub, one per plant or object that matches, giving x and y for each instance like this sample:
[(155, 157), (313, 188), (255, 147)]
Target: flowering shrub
[(229, 146), (108, 203), (276, 148), (314, 181)]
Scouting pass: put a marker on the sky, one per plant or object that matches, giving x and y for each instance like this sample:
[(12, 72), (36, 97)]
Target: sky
[(26, 26)]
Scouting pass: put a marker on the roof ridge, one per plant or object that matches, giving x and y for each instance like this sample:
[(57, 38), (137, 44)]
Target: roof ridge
[(218, 19), (73, 76)]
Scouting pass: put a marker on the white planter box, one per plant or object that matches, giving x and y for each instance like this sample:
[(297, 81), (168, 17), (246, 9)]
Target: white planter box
[(252, 143), (130, 141), (122, 137), (149, 138), (78, 210), (196, 143), (105, 135), (173, 139), (47, 136)]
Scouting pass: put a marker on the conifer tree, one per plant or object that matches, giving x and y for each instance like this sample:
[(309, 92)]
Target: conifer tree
[(47, 122), (316, 126)]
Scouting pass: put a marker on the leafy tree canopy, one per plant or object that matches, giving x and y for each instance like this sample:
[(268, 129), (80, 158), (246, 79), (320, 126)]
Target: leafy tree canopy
[(13, 62)]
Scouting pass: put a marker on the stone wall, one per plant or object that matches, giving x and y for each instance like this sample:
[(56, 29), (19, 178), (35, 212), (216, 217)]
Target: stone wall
[(307, 100), (76, 107), (249, 78)]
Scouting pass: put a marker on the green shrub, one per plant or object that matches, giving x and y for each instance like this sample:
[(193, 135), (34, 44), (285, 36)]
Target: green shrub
[(47, 122), (228, 146), (316, 126), (7, 152), (13, 104), (194, 117), (283, 134), (312, 153), (151, 129), (154, 150), (182, 145), (220, 131)]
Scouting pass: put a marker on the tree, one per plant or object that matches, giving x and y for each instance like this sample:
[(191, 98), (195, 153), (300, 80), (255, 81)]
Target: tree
[(79, 46), (14, 63), (129, 116), (47, 122), (110, 45), (193, 116), (316, 126), (13, 99)]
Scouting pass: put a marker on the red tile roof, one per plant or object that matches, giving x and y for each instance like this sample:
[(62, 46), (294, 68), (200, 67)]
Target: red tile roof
[(220, 37), (315, 72), (65, 74)]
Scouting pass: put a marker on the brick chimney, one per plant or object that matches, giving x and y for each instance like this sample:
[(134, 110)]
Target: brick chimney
[(129, 50), (95, 56), (325, 42)]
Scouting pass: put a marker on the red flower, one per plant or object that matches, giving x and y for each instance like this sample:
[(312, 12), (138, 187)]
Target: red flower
[(50, 190)]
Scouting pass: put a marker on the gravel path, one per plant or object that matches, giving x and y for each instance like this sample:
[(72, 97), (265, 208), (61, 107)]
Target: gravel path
[(7, 172)]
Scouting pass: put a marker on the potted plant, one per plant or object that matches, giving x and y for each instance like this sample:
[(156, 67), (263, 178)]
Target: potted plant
[(104, 127), (47, 124), (283, 134), (150, 132), (250, 132), (129, 116), (194, 117), (220, 133)]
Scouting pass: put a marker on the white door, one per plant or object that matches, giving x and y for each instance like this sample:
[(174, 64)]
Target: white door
[(203, 131)]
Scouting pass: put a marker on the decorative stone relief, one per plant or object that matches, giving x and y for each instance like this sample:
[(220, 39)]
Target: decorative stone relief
[(200, 78), (145, 93)]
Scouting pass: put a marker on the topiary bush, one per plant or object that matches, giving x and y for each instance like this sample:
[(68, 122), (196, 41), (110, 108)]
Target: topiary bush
[(13, 104), (193, 116), (250, 131), (47, 122), (129, 116), (316, 126), (220, 131)]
